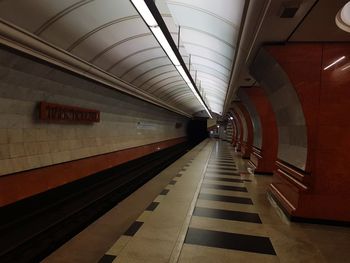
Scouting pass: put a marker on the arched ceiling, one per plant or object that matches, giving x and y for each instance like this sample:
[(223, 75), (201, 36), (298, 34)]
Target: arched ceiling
[(111, 35), (209, 31)]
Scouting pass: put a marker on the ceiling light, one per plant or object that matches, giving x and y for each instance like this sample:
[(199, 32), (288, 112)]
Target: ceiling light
[(231, 118), (342, 18), (345, 14), (346, 67), (335, 62), (145, 12), (182, 72), (158, 33)]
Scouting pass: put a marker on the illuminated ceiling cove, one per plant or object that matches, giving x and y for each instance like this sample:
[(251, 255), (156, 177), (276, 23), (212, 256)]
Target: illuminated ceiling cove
[(209, 31), (111, 35)]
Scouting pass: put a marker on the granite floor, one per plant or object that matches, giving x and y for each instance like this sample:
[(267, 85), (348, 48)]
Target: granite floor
[(205, 207)]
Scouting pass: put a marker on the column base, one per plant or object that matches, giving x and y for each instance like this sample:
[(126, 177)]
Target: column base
[(300, 219)]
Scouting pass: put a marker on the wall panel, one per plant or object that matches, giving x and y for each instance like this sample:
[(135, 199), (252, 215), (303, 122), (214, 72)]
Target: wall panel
[(37, 156), (265, 157)]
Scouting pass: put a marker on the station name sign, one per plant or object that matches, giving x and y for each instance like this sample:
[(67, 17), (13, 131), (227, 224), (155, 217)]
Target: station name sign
[(51, 112)]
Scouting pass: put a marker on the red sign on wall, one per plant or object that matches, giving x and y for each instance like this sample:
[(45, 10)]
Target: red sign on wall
[(51, 112)]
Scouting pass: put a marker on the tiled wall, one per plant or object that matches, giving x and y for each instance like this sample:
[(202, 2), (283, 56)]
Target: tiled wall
[(25, 143)]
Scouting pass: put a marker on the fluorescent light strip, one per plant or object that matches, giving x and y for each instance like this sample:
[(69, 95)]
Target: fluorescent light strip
[(182, 72), (348, 66), (157, 32), (147, 16), (335, 62)]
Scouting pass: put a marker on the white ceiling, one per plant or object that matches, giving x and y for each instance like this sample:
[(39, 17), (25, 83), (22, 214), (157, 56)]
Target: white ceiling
[(209, 31), (111, 35)]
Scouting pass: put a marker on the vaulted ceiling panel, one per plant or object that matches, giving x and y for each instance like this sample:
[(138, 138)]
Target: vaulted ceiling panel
[(103, 38), (153, 72), (41, 15), (130, 53), (83, 21), (209, 31), (111, 35)]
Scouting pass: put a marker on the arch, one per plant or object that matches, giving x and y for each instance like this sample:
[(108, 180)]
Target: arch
[(234, 131), (240, 129), (263, 159), (238, 132), (247, 142), (292, 130), (242, 121), (254, 116), (229, 131)]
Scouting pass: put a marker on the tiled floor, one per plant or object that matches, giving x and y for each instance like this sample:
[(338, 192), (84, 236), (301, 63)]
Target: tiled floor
[(214, 211)]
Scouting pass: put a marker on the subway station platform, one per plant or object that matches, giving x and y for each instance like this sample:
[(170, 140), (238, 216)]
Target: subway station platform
[(205, 207), (174, 131)]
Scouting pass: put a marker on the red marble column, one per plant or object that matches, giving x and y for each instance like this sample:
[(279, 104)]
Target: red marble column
[(264, 159), (246, 147), (321, 191), (239, 123), (234, 133)]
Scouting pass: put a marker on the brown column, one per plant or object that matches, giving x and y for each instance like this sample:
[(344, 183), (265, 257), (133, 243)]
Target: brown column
[(321, 190), (246, 147), (264, 159), (236, 129), (234, 133), (239, 138)]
